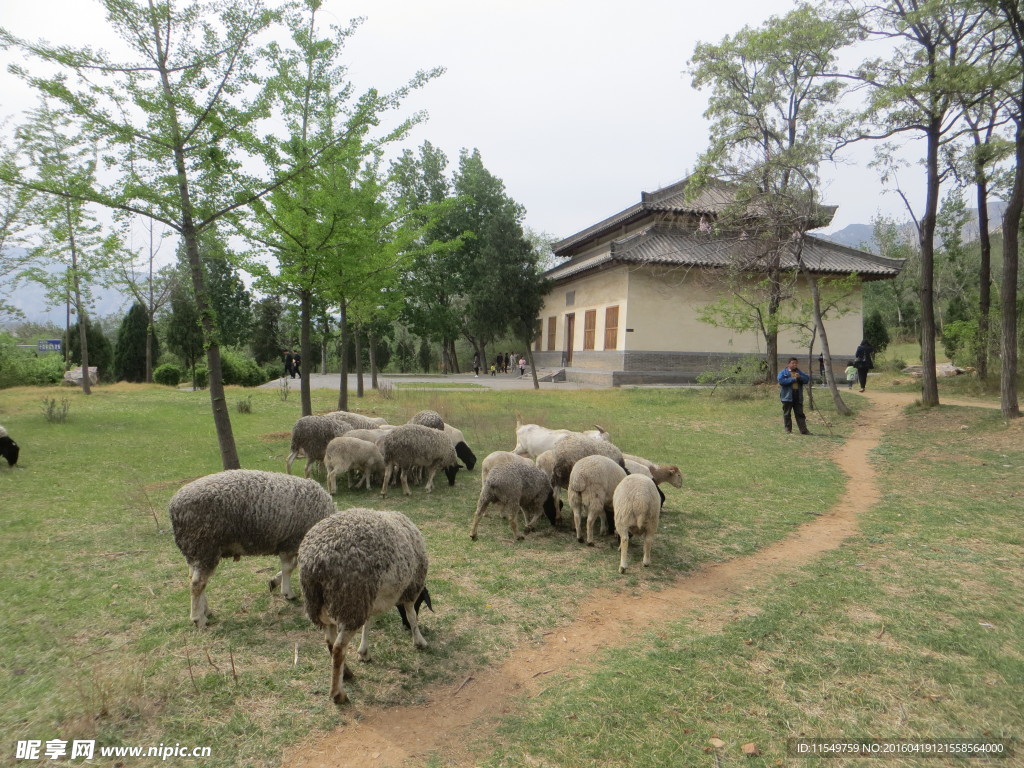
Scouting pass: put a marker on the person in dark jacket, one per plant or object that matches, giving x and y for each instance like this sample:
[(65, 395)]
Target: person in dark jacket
[(864, 362), (791, 392), (289, 362)]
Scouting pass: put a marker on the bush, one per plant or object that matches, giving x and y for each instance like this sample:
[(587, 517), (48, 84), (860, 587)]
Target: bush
[(961, 342), (168, 374), (201, 377), (240, 370), (23, 368), (875, 332)]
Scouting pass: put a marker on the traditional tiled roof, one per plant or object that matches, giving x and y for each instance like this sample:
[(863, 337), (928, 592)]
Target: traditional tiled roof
[(713, 198), (670, 245)]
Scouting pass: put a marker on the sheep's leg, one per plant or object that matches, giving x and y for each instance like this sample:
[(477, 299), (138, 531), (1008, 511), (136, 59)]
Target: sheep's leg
[(290, 459), (577, 518), (332, 481), (364, 640), (283, 578), (648, 542), (387, 479), (339, 668), (198, 579), (403, 475), (592, 519), (414, 625), (513, 519), (481, 508), (430, 479), (623, 552), (309, 466)]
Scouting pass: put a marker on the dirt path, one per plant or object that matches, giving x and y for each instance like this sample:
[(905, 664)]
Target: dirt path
[(456, 715)]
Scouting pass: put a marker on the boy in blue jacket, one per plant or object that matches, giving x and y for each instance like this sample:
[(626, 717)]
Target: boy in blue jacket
[(791, 392)]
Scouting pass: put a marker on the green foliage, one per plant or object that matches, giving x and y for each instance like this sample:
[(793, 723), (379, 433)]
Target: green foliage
[(101, 354), (229, 298), (240, 370), (960, 340), (267, 333), (736, 379), (200, 377), (56, 412), (184, 334), (875, 332), (21, 368), (130, 350), (169, 375)]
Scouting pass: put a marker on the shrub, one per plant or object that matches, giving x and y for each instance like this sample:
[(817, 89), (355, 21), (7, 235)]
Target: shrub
[(875, 332), (168, 374), (200, 377), (56, 413), (21, 368), (240, 370), (961, 342)]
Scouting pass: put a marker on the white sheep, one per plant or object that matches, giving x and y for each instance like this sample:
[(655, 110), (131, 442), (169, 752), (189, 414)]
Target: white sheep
[(573, 448), (242, 512), (592, 483), (357, 564), (311, 435), (411, 445), (371, 435), (345, 453), (532, 439), (514, 486), (497, 458), (357, 420), (637, 510), (546, 461)]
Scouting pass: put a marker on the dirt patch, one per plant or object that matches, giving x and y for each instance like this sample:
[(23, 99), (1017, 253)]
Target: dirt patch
[(455, 716)]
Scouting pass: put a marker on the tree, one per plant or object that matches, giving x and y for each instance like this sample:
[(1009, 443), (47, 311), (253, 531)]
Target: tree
[(14, 217), (875, 332), (919, 89), (71, 238), (97, 344), (230, 300), (772, 89), (267, 341), (176, 120), (151, 288), (133, 351), (184, 330)]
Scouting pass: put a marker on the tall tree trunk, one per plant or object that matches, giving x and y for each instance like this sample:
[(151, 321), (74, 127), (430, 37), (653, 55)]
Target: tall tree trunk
[(529, 359), (984, 273), (830, 377), (305, 350), (372, 337), (1008, 290), (357, 337), (926, 290), (343, 362)]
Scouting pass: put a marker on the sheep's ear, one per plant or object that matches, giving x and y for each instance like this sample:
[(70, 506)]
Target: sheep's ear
[(601, 429), (424, 597)]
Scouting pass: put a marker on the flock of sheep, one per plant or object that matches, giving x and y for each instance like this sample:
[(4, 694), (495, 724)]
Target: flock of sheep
[(359, 563)]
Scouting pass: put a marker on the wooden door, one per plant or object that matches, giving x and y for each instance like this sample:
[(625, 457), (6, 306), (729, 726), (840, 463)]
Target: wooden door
[(570, 328)]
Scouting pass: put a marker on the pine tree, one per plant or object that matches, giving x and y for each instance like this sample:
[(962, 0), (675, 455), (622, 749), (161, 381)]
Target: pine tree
[(130, 350)]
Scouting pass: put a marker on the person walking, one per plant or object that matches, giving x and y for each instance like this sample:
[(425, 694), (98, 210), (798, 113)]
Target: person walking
[(864, 362), (476, 365), (297, 365), (851, 374), (289, 361), (522, 367), (791, 392)]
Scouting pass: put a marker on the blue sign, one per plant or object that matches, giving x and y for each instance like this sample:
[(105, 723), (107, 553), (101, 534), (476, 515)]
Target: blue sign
[(48, 345)]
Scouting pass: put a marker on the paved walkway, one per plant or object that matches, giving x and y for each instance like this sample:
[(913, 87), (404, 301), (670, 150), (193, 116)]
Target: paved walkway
[(436, 382)]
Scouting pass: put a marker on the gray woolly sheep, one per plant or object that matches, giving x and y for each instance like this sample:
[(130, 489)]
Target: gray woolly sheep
[(430, 419), (515, 485), (592, 483), (496, 459), (412, 445), (546, 461), (345, 453), (311, 435), (357, 420), (573, 448), (243, 512), (8, 448), (371, 435), (637, 509), (357, 564)]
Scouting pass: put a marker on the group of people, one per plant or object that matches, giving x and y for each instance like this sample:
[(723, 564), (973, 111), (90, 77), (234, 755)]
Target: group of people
[(792, 382), (502, 363), (292, 364)]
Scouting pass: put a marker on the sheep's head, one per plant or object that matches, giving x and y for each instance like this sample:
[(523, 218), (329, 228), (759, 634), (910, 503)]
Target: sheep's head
[(451, 471), (551, 507), (465, 455)]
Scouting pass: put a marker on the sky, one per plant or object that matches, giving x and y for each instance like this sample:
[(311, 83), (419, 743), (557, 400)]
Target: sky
[(577, 105)]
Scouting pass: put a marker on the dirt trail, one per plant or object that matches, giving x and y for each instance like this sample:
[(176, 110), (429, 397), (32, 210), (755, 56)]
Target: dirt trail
[(456, 715)]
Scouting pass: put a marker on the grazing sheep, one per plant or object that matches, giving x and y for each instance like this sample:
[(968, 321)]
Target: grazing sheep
[(8, 448), (515, 485), (462, 449), (592, 483), (345, 453), (357, 420), (311, 435), (546, 461), (430, 419), (243, 512), (371, 435), (637, 508), (660, 473), (496, 459), (532, 439), (412, 445), (637, 469), (357, 564), (573, 448)]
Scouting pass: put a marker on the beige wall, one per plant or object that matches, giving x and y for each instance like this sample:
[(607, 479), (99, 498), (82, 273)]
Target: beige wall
[(661, 306)]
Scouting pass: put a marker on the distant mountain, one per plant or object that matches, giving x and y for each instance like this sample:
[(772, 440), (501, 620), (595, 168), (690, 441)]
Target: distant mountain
[(863, 235)]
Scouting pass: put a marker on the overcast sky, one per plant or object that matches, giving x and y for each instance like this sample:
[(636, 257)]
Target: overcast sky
[(577, 105)]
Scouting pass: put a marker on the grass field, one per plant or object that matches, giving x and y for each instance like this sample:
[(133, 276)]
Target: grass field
[(96, 642)]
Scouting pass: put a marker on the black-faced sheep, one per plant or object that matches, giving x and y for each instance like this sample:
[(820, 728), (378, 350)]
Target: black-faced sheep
[(411, 445), (311, 435), (9, 449), (462, 449), (514, 486), (592, 484), (243, 512), (357, 564), (637, 509), (346, 453)]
